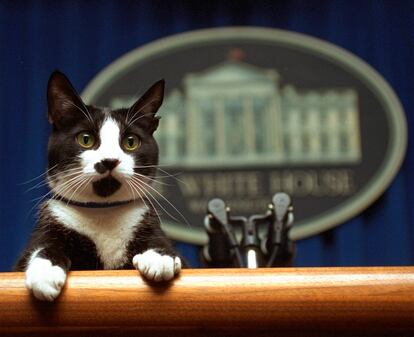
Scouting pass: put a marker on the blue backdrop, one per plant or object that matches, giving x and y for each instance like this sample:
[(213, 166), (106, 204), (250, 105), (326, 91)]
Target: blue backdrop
[(82, 37)]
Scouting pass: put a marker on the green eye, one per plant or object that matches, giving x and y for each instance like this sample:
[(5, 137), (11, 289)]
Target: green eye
[(131, 142), (86, 140)]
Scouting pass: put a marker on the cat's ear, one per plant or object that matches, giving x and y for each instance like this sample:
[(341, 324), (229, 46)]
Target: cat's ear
[(147, 106), (64, 103)]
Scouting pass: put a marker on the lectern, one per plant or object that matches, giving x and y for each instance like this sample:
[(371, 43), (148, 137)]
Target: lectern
[(374, 301)]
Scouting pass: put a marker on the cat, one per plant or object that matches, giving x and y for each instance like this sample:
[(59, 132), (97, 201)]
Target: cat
[(101, 166)]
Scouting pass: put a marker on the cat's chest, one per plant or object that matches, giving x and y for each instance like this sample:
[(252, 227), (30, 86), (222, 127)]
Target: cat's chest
[(111, 229)]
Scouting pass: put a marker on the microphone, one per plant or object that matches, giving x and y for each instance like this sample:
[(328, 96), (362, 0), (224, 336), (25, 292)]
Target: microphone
[(223, 244)]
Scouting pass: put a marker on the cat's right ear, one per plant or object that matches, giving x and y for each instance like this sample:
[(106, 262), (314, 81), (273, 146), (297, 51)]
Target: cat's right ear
[(64, 103)]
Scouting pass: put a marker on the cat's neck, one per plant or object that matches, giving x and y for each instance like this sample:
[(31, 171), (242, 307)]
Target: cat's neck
[(92, 204), (95, 215)]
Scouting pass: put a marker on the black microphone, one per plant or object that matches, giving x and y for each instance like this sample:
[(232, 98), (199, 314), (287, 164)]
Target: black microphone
[(223, 243)]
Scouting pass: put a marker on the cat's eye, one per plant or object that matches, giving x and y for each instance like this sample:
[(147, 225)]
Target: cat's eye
[(85, 139), (131, 142)]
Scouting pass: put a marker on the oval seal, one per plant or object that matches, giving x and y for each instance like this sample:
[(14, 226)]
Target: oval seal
[(249, 112)]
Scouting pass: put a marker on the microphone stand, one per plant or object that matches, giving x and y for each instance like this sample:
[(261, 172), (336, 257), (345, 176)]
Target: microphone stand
[(225, 250)]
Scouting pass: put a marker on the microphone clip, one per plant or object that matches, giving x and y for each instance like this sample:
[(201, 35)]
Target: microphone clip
[(244, 247)]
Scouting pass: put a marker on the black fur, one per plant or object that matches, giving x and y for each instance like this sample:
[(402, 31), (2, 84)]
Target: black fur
[(106, 186), (71, 250), (65, 247)]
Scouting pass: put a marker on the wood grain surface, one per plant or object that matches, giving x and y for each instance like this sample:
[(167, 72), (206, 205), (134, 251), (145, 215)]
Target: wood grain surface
[(229, 302)]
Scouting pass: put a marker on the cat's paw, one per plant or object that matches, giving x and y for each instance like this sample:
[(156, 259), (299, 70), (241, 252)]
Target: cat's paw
[(157, 267), (45, 280)]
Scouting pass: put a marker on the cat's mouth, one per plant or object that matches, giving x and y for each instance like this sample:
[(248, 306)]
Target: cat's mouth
[(107, 186)]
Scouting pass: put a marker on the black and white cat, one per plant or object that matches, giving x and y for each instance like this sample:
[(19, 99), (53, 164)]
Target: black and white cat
[(101, 166)]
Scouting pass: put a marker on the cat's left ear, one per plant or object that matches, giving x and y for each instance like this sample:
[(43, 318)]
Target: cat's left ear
[(65, 107), (146, 107)]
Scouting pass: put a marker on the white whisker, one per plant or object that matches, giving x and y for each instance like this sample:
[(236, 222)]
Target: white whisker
[(167, 174), (86, 114), (132, 191), (46, 182), (60, 193), (39, 176), (138, 93), (132, 121), (85, 181), (152, 180), (61, 187), (136, 112), (164, 198), (149, 200)]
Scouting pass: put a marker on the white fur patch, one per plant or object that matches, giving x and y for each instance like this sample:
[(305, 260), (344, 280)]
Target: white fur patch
[(109, 149), (43, 279), (157, 267), (111, 229)]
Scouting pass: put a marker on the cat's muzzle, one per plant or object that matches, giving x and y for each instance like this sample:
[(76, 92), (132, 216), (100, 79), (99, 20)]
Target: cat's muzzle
[(106, 165), (106, 186)]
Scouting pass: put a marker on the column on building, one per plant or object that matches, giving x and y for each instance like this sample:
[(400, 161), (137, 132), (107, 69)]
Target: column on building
[(271, 146), (313, 128), (295, 133), (333, 128), (171, 136), (274, 111), (352, 126), (220, 129), (292, 128), (263, 124), (170, 130), (192, 125), (354, 134), (249, 125)]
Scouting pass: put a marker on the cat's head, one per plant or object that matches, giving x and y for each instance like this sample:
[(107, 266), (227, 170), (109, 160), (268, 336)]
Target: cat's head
[(99, 154)]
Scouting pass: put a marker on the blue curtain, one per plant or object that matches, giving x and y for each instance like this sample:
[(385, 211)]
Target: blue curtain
[(82, 37)]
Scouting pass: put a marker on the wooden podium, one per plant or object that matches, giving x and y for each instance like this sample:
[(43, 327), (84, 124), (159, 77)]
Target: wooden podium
[(373, 301)]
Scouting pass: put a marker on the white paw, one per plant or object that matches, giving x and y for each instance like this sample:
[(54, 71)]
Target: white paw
[(157, 267), (44, 280)]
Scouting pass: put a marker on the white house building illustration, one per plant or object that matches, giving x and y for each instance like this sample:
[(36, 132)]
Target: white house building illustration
[(236, 114)]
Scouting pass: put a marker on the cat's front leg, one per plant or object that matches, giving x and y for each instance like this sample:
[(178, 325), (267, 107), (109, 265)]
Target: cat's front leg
[(156, 266), (46, 276)]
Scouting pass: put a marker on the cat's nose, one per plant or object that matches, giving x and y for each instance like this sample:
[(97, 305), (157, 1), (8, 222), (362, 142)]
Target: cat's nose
[(106, 165)]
